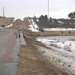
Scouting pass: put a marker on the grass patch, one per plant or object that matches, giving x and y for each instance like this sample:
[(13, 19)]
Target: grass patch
[(41, 44)]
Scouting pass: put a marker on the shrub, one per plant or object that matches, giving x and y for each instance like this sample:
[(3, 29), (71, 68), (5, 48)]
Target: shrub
[(41, 30)]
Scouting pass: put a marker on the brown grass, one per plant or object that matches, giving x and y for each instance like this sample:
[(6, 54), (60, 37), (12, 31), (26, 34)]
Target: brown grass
[(31, 63), (54, 33)]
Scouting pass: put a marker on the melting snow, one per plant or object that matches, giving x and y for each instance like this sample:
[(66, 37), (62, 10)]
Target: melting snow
[(61, 54)]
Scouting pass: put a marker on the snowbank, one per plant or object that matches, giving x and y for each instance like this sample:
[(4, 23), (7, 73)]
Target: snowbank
[(58, 29), (61, 54), (9, 26)]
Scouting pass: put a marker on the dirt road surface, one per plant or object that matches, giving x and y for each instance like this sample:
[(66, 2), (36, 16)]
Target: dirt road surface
[(32, 63)]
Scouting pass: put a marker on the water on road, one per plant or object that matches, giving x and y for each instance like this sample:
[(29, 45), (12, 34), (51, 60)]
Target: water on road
[(9, 50)]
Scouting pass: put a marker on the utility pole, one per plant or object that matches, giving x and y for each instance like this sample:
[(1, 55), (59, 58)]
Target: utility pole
[(3, 15), (48, 9), (3, 12)]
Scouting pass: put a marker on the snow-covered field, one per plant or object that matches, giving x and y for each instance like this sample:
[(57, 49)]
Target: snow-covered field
[(63, 60), (58, 29), (61, 54)]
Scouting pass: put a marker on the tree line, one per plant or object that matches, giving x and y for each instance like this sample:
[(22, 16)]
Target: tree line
[(44, 22)]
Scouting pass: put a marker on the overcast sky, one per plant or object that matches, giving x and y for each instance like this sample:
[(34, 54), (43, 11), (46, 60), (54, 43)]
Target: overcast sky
[(24, 8)]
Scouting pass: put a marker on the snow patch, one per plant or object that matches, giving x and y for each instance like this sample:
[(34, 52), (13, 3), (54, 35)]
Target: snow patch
[(63, 60), (61, 54), (58, 29), (33, 27)]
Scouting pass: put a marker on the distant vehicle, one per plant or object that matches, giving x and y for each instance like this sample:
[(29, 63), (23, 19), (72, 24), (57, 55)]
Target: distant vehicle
[(3, 26)]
